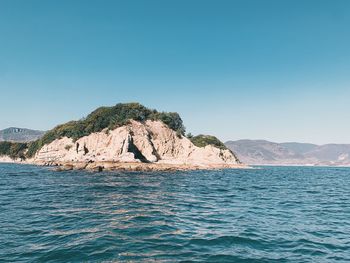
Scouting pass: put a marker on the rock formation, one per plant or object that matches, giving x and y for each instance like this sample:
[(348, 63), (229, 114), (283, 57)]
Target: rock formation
[(151, 143), (125, 136)]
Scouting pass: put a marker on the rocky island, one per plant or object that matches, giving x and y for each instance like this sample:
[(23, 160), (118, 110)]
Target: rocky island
[(126, 136)]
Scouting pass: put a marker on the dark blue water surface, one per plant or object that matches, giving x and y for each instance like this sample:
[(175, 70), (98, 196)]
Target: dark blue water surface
[(272, 214)]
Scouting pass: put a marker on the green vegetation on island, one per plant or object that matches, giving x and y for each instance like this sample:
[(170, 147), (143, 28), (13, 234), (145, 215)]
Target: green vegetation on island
[(110, 118), (14, 150), (204, 140), (106, 118)]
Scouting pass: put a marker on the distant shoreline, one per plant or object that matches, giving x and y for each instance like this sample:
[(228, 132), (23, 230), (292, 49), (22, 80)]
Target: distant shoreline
[(110, 166), (300, 165)]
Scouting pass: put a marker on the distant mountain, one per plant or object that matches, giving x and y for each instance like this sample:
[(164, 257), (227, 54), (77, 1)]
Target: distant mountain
[(300, 148), (291, 153), (20, 135)]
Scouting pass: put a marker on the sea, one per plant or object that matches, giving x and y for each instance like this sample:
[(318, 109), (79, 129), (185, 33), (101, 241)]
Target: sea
[(265, 214)]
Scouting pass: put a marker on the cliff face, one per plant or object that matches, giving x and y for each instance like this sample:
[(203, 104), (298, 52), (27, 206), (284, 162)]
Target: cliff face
[(150, 142)]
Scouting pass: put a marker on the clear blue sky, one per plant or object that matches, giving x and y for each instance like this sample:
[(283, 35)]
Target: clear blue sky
[(276, 70)]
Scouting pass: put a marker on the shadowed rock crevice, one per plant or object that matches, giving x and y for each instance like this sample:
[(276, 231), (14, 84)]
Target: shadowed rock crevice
[(136, 144), (86, 150), (154, 152), (137, 153)]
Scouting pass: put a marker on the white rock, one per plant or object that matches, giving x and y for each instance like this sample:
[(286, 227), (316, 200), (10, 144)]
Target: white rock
[(152, 141)]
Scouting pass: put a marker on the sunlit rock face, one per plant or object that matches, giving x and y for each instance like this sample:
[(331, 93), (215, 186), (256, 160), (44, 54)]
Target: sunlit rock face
[(148, 142)]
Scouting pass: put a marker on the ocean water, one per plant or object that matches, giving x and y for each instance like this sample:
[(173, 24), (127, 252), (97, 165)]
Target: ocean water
[(272, 214)]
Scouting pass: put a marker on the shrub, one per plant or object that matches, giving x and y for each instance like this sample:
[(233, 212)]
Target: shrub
[(204, 140), (13, 149), (172, 119), (33, 147), (68, 147), (5, 148), (110, 118)]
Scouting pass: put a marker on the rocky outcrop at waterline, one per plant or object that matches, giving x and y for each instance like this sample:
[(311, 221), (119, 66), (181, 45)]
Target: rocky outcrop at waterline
[(139, 144), (144, 145)]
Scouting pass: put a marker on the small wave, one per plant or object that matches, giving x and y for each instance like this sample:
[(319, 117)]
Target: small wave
[(259, 215)]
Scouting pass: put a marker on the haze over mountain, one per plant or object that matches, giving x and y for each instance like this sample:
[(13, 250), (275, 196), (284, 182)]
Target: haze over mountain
[(20, 134), (291, 153)]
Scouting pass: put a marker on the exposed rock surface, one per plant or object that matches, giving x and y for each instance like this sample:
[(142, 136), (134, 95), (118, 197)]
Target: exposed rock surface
[(135, 146), (8, 159)]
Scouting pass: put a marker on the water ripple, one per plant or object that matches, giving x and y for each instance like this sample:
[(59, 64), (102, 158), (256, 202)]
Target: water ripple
[(272, 214)]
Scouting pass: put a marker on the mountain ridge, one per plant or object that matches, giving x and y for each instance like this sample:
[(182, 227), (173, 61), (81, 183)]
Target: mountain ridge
[(263, 152), (16, 134)]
